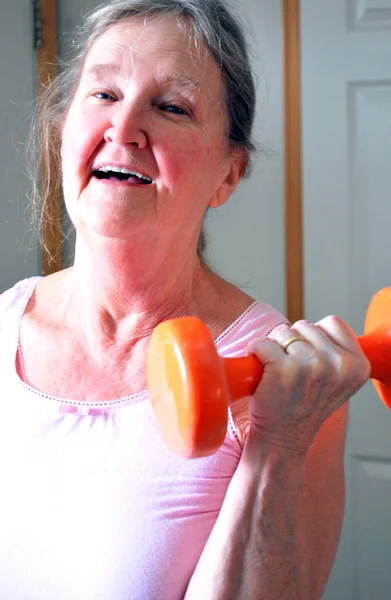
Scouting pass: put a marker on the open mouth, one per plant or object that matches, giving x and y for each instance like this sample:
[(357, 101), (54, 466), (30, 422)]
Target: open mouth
[(111, 173)]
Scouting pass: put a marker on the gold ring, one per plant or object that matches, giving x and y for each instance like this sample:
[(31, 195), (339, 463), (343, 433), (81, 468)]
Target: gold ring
[(293, 338)]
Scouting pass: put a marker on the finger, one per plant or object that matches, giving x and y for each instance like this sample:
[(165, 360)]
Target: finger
[(340, 333), (329, 333), (267, 351), (291, 341)]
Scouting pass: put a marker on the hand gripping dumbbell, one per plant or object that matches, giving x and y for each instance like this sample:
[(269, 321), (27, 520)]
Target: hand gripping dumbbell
[(191, 386)]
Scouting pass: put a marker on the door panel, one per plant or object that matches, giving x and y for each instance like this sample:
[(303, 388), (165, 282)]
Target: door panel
[(346, 116), (368, 14), (371, 490)]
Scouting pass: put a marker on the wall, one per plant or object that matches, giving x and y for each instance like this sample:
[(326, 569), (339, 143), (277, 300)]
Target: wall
[(19, 253), (246, 236)]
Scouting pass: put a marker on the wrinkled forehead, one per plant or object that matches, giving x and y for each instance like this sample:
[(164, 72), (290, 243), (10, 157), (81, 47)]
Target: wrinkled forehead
[(163, 43)]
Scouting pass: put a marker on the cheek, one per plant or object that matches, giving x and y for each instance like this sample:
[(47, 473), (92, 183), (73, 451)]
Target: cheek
[(186, 158), (79, 140)]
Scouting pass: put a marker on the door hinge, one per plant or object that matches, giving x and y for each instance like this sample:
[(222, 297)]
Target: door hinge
[(37, 20)]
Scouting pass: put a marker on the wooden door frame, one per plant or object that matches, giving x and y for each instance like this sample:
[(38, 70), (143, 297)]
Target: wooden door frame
[(294, 284), (47, 69), (51, 235)]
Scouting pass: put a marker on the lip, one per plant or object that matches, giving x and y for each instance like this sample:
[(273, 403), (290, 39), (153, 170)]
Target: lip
[(132, 167)]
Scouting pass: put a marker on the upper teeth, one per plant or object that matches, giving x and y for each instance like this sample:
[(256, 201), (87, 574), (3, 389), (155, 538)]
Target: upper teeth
[(107, 168)]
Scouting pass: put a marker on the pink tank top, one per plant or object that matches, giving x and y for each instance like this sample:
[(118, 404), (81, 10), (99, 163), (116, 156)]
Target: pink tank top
[(92, 504)]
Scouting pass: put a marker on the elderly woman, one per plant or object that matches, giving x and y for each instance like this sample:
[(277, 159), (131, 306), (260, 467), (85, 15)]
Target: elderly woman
[(153, 127)]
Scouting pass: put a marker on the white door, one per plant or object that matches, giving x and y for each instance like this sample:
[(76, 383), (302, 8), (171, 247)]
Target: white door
[(346, 112), (19, 255)]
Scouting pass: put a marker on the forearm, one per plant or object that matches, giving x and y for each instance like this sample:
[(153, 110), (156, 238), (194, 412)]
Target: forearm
[(256, 549), (322, 501)]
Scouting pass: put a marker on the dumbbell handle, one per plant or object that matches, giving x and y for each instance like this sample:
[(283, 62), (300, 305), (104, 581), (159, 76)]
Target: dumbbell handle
[(376, 346), (244, 373)]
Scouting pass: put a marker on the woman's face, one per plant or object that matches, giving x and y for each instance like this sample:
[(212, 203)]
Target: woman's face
[(149, 106)]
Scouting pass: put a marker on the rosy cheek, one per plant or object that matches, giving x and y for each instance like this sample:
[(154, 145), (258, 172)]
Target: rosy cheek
[(186, 156), (80, 139)]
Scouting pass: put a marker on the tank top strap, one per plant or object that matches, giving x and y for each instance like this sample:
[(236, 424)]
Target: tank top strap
[(13, 303)]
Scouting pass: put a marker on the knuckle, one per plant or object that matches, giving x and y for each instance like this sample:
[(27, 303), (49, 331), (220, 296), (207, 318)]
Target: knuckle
[(301, 322), (281, 327), (363, 370), (331, 321), (351, 370)]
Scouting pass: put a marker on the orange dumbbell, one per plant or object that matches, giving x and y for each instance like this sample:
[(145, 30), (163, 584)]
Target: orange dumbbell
[(191, 386)]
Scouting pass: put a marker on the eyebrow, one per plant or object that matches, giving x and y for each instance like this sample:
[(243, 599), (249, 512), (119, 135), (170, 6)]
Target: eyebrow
[(174, 77), (102, 70)]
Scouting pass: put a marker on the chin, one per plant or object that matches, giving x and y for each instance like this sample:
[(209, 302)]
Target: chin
[(109, 231), (105, 221)]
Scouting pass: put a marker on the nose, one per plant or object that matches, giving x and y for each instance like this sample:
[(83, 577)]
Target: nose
[(125, 126)]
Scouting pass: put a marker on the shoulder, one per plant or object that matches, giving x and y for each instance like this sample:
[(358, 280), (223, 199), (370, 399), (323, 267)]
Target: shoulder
[(14, 298), (235, 312), (262, 318), (17, 292), (255, 322)]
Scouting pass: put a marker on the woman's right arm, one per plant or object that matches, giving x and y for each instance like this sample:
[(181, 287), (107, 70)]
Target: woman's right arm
[(267, 542)]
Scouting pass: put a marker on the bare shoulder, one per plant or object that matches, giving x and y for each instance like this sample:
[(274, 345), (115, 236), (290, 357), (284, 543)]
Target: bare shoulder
[(235, 303), (46, 296), (222, 303)]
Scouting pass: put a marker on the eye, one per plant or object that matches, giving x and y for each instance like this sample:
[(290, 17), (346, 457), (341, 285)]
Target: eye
[(172, 108), (104, 96)]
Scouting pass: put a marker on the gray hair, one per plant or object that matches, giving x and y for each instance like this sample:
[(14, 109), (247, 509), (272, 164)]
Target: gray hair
[(211, 23)]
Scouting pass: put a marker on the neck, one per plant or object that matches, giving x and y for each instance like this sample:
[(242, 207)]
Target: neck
[(126, 288)]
